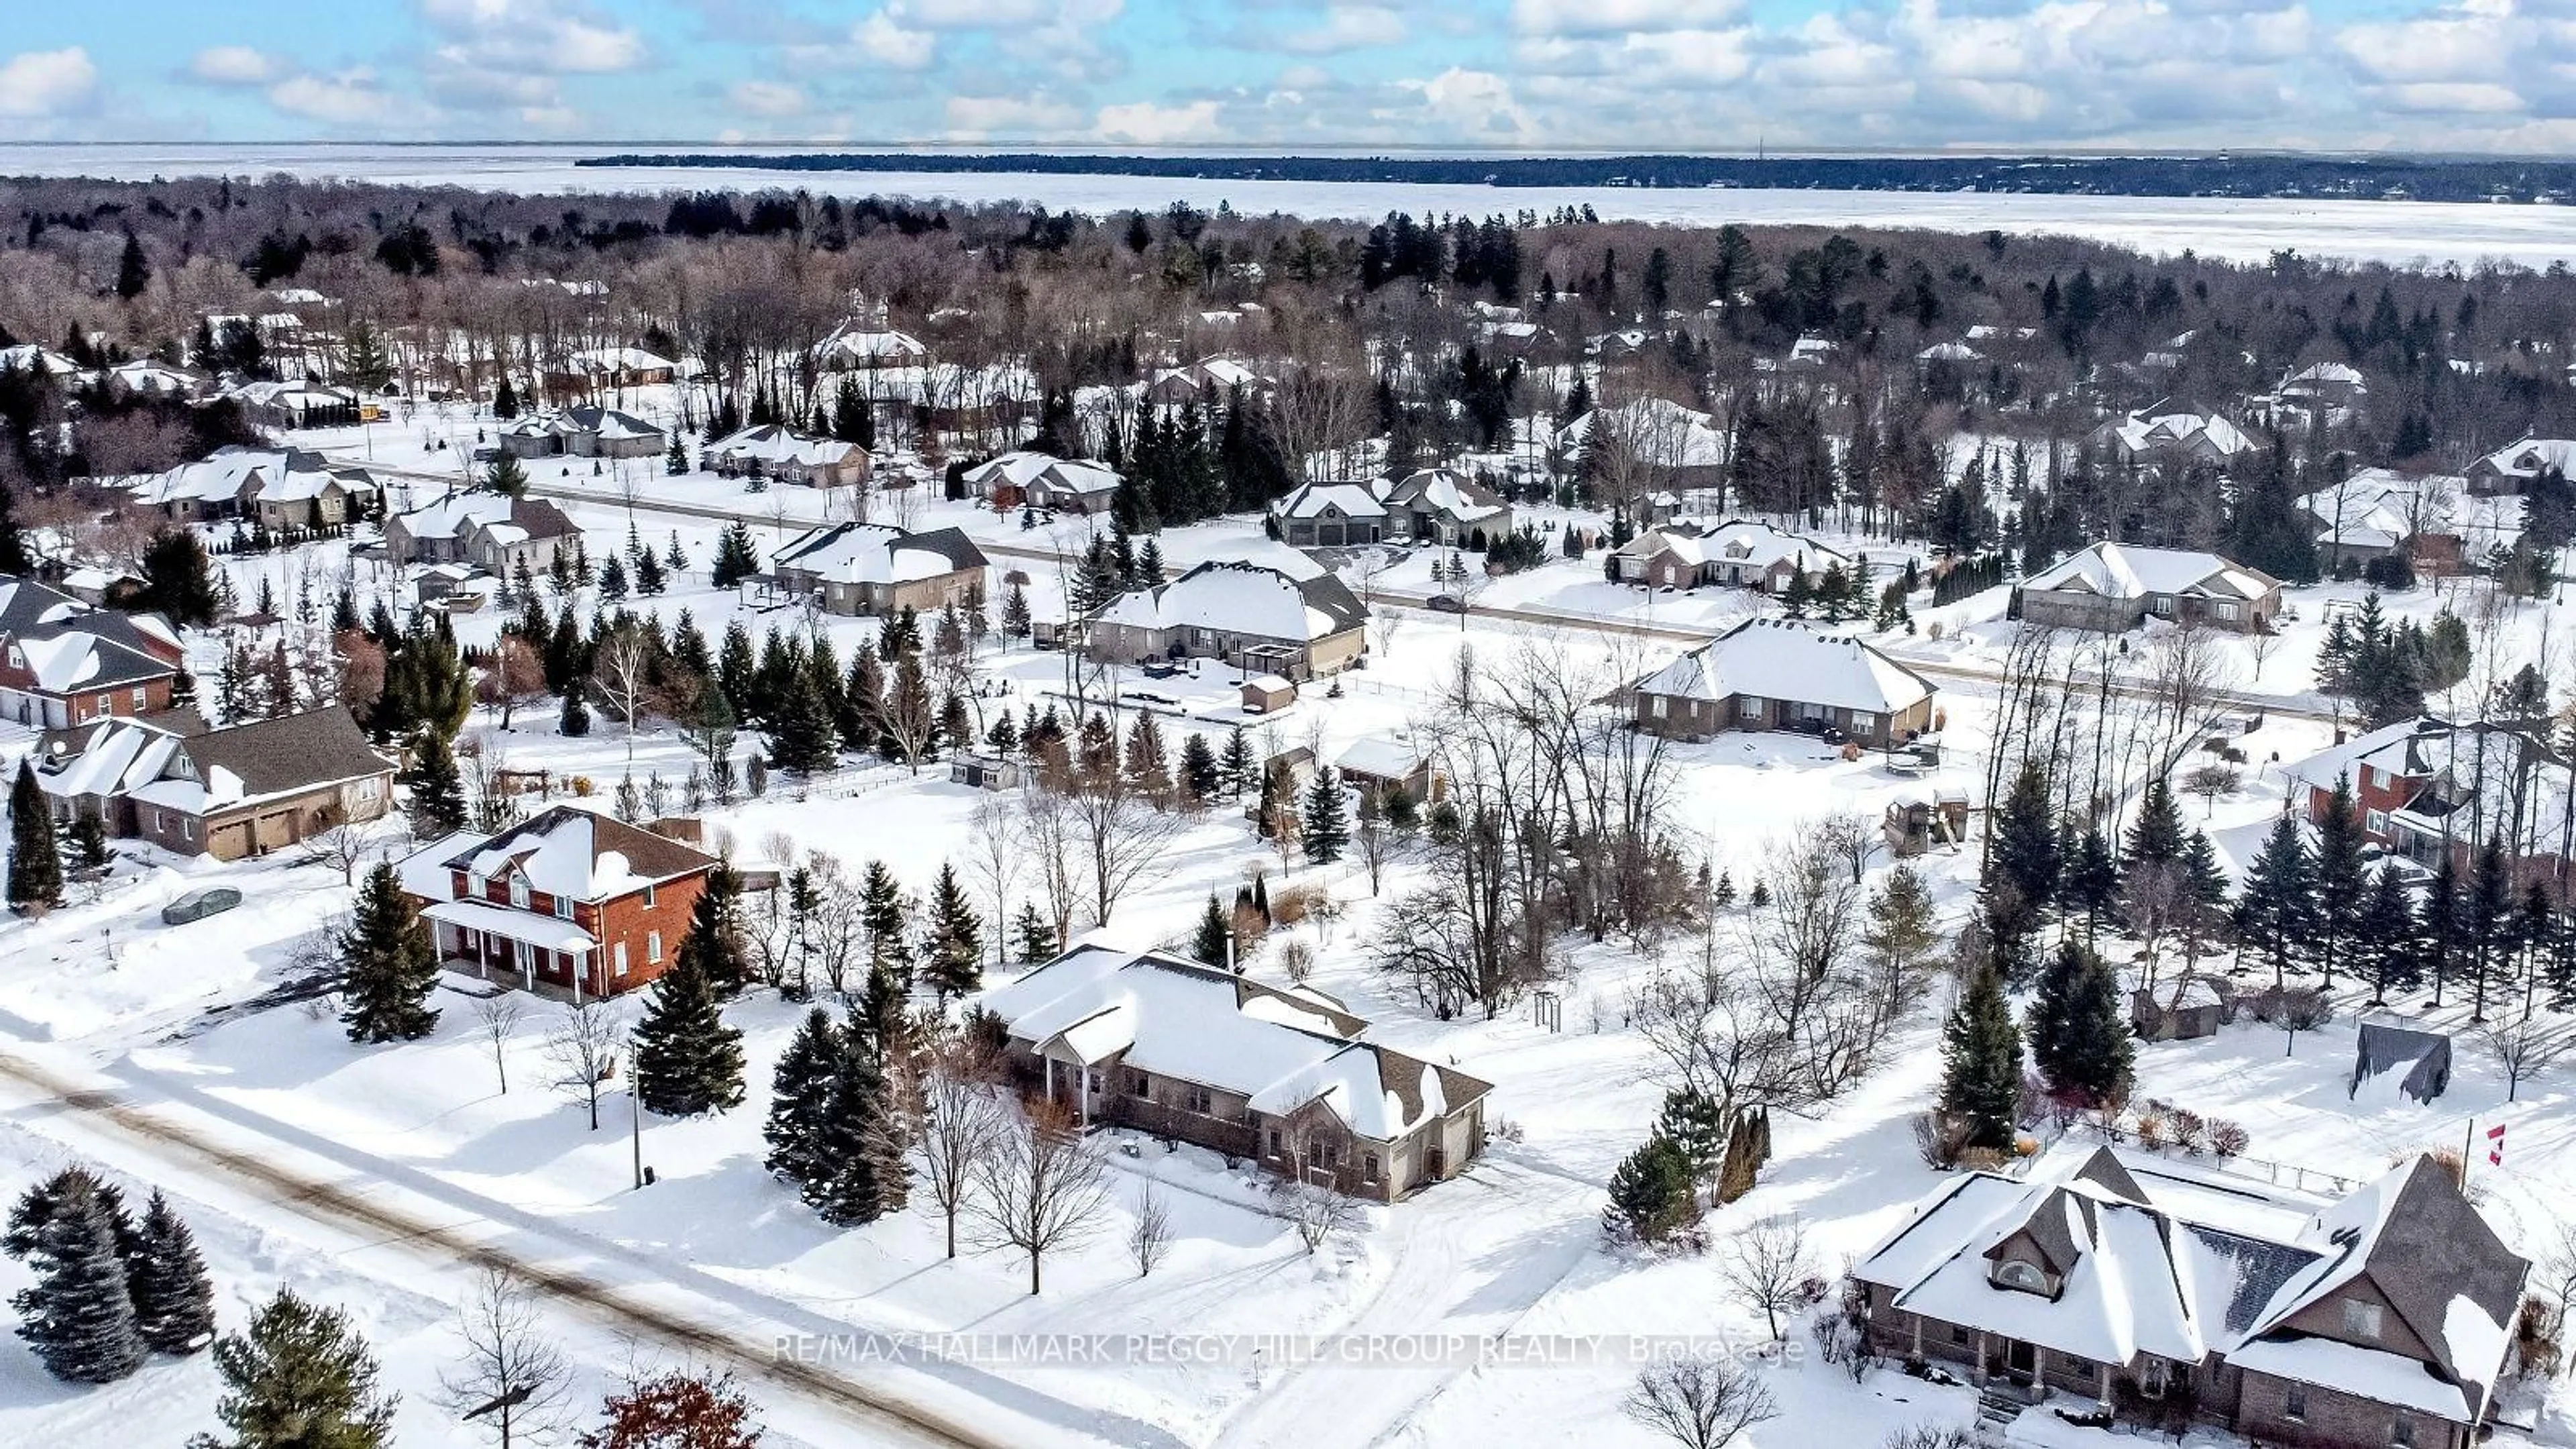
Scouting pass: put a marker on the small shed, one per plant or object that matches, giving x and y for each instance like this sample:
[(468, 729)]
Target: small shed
[(2416, 1063), (1375, 764), (1916, 822), (984, 772), (2195, 1007), (1264, 693)]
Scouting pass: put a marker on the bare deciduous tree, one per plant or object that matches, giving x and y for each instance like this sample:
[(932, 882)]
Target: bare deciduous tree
[(512, 1381), (2523, 1048), (344, 843), (961, 1117), (1150, 1236), (1765, 1265), (1699, 1402), (497, 1017), (583, 1048), (622, 671), (1042, 1187)]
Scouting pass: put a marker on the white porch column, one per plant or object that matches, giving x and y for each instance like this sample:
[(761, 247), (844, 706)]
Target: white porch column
[(580, 969), (2038, 1373), (1980, 1374), (2106, 1385)]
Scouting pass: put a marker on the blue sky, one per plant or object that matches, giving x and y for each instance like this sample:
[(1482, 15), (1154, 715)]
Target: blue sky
[(2488, 75)]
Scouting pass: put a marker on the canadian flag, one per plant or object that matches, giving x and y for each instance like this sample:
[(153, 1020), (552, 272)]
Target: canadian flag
[(2495, 1145)]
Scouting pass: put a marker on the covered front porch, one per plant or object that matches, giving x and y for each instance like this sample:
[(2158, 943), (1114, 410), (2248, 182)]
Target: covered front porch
[(546, 954)]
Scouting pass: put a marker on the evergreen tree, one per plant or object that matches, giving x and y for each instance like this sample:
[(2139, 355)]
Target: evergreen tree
[(388, 963), (2156, 836), (1694, 1122), (35, 858), (805, 737), (736, 558), (612, 580), (1016, 622), (2386, 940), (2022, 870), (882, 917), (1654, 1195), (1981, 1063), (89, 840), (687, 1060), (2079, 1035), (801, 1099), (174, 1300), (78, 1317), (676, 462), (1214, 941), (506, 476), (1200, 773), (437, 790), (2090, 884), (953, 945), (1035, 935), (2342, 879), (1326, 828), (863, 1136), (133, 270), (1236, 772), (301, 1378), (2488, 916), (179, 579), (2276, 915), (649, 580), (505, 400), (576, 710)]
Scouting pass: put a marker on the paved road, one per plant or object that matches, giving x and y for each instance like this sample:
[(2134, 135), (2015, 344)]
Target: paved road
[(1551, 618), (871, 1417)]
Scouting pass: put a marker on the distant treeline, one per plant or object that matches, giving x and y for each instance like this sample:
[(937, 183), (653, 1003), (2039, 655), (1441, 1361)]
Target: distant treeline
[(2370, 178)]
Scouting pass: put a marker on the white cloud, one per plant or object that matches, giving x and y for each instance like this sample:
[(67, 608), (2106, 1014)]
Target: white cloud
[(886, 42), (1347, 27), (1030, 116), (353, 99), (549, 36), (47, 82), (768, 98), (1473, 105), (1144, 123), (236, 65), (1605, 17)]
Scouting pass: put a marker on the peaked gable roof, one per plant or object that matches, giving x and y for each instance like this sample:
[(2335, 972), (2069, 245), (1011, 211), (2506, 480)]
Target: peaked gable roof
[(878, 553), (567, 851), (2127, 571), (1788, 659)]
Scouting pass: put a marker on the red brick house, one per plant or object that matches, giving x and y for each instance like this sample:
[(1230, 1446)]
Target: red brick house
[(571, 901), (2427, 786), (62, 661)]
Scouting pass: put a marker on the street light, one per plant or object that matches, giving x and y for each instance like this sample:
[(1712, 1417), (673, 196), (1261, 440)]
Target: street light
[(635, 1101)]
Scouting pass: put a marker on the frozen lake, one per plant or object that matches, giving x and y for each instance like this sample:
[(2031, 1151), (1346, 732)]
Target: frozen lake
[(2242, 230)]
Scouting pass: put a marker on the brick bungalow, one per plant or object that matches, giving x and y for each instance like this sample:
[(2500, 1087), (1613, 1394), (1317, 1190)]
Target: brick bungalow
[(2114, 587), (1250, 615), (568, 900), (62, 662), (1278, 1075), (1734, 554), (492, 531), (1780, 674), (2161, 1297), (243, 790)]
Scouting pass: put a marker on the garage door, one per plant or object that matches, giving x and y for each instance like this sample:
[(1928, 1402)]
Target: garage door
[(229, 842)]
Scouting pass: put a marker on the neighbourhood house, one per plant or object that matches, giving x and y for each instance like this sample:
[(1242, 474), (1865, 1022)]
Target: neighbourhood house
[(2383, 1319), (1206, 382), (854, 347), (1280, 1076), (2113, 586), (2511, 469), (296, 404), (1043, 480), (781, 454), (599, 367), (27, 357), (1331, 515), (243, 790), (279, 488), (568, 901), (62, 662), (492, 531), (2434, 520), (2173, 432), (1734, 554), (144, 377), (1779, 674), (1446, 507), (1685, 447), (1376, 764), (2327, 384), (2426, 788), (875, 568), (583, 432), (1253, 616)]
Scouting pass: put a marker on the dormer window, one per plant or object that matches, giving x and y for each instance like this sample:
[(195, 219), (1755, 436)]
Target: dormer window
[(2361, 1320), (2014, 1273), (519, 891)]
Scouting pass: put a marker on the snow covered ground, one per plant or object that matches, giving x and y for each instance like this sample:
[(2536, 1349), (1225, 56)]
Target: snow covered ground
[(2236, 230)]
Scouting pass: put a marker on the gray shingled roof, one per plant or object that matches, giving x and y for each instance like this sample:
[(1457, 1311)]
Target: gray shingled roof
[(279, 756)]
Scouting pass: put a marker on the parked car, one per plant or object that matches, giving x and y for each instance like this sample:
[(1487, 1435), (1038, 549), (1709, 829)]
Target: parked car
[(1447, 604), (198, 904)]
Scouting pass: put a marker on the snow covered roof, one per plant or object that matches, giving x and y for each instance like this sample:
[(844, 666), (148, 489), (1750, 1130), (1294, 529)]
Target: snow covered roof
[(1231, 596), (601, 361), (1447, 492), (2167, 425), (552, 933), (773, 444), (63, 644), (854, 343), (1949, 352), (43, 361), (1658, 430), (238, 474), (1737, 541), (209, 769), (2489, 771), (493, 514), (2126, 571), (568, 851), (1318, 500), (1280, 1049), (1043, 476), (878, 553), (2530, 458), (1790, 660)]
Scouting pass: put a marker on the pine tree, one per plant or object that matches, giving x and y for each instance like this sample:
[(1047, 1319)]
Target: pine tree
[(2442, 926), (133, 270), (801, 1099), (1035, 935), (1213, 942), (649, 580), (687, 1060), (1653, 1194), (1200, 774), (2342, 878), (882, 917), (736, 558), (1016, 622), (301, 1378), (2277, 914), (1326, 827), (1981, 1063), (1693, 1121), (576, 710), (35, 859), (2386, 942), (174, 1300), (2090, 884), (676, 462), (2156, 836), (78, 1316), (2489, 922), (437, 790), (953, 945), (1236, 770), (89, 840), (2079, 1036), (389, 965), (863, 1137), (507, 476), (2022, 872), (179, 578), (505, 400), (612, 580)]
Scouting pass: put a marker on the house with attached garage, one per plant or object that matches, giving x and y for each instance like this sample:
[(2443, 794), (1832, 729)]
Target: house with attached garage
[(1277, 1075), (780, 454), (62, 661), (280, 488), (1261, 619), (876, 568), (1735, 554), (492, 531), (1042, 480), (1779, 674), (2173, 432), (243, 790), (1446, 507), (2512, 468), (2426, 788), (582, 432), (2114, 587), (2156, 1293), (567, 901), (1330, 515)]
